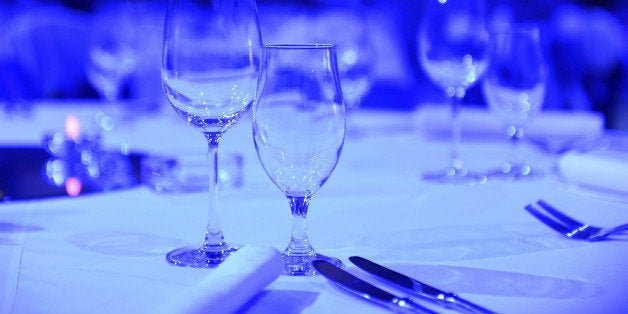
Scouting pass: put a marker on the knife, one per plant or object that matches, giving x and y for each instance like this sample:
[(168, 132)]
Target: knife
[(366, 290), (446, 299)]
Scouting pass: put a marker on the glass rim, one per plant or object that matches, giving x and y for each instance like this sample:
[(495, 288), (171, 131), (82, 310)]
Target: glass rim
[(300, 46)]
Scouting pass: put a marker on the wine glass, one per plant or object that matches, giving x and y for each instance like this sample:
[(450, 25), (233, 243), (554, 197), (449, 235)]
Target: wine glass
[(514, 87), (299, 130), (111, 57), (453, 51), (210, 69), (348, 30)]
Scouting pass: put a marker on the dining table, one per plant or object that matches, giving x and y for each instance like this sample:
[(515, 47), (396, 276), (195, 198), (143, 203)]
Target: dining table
[(104, 251)]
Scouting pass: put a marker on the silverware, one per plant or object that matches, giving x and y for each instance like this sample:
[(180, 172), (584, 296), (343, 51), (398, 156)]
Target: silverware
[(570, 227), (366, 290), (446, 299)]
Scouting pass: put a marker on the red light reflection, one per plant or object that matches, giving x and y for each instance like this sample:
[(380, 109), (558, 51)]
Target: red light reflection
[(73, 186), (72, 127)]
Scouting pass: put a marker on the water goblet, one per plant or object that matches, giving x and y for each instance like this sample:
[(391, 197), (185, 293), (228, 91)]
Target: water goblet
[(211, 64), (298, 130), (514, 87), (452, 48)]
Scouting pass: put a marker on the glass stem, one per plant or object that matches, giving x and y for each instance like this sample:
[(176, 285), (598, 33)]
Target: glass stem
[(299, 243), (214, 238), (111, 93), (456, 132), (515, 135)]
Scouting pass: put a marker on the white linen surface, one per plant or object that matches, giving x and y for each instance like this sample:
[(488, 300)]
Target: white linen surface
[(599, 169), (104, 253), (14, 229)]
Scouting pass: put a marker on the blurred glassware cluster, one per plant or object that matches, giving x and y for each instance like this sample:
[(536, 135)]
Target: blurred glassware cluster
[(187, 171), (79, 163), (347, 27), (48, 50), (107, 49)]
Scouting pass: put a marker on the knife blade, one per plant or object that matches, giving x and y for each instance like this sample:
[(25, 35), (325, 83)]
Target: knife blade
[(446, 299), (366, 290)]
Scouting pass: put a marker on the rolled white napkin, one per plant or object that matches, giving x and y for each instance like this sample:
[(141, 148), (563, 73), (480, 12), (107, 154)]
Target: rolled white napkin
[(239, 278), (603, 169)]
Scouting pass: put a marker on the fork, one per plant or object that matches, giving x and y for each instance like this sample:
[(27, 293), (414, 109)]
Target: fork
[(570, 227)]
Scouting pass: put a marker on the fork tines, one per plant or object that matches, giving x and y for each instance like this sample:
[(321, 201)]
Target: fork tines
[(568, 226), (558, 214), (555, 225)]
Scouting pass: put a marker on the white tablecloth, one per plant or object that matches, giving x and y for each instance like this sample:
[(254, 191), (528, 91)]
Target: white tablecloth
[(104, 253)]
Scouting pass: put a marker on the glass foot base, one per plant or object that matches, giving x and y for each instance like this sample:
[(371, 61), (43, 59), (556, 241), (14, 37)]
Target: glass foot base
[(516, 172), (455, 176), (302, 265), (197, 258)]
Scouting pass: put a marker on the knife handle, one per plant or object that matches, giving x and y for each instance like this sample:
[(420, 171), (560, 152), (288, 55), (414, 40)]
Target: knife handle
[(409, 305)]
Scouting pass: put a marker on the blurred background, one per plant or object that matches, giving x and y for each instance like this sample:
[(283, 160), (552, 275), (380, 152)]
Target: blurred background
[(111, 50)]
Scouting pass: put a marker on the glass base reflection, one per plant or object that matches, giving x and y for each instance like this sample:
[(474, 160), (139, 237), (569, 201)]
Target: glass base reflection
[(516, 172), (455, 176), (199, 257), (294, 265)]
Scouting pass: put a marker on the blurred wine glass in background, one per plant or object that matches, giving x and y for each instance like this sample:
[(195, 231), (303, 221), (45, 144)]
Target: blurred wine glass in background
[(452, 50), (111, 56), (347, 26), (514, 87), (349, 31)]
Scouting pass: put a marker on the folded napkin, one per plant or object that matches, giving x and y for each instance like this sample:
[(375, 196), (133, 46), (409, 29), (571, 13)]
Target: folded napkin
[(603, 169), (231, 285)]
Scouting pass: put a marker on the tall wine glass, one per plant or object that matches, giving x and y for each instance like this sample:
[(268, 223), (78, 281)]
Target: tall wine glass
[(210, 69), (299, 130), (453, 44), (514, 87)]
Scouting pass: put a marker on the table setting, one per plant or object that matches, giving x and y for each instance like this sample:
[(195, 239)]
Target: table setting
[(253, 188)]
